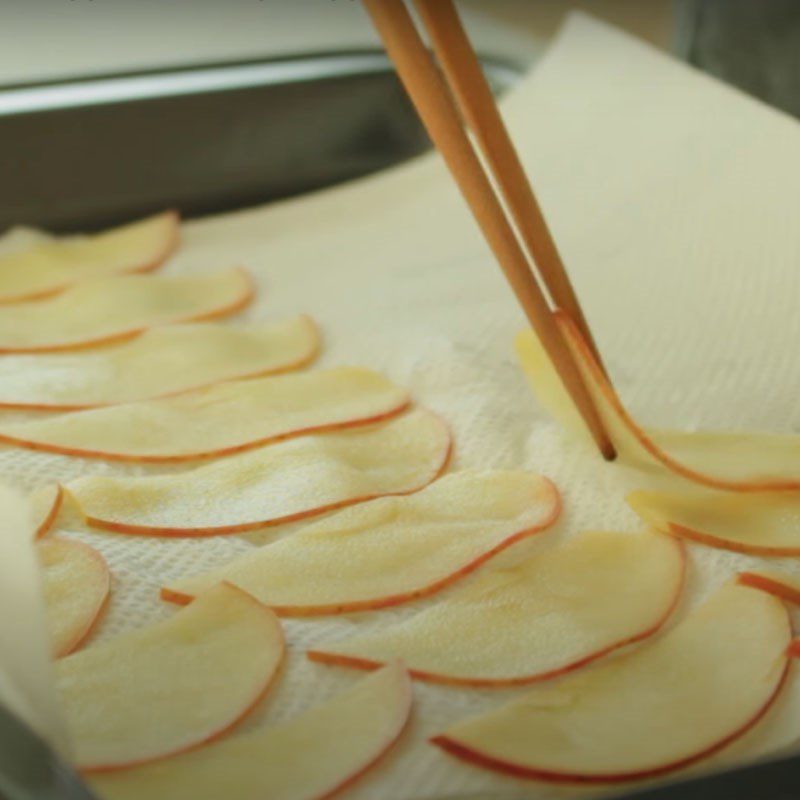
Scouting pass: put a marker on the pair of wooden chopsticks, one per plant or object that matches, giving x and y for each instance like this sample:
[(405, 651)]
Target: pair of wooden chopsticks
[(441, 103)]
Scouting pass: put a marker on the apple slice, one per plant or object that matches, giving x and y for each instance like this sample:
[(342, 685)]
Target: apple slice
[(76, 583), (45, 504), (171, 686), (392, 550), (664, 706), (279, 483), (106, 310), (534, 620), (765, 524), (54, 265), (161, 362), (311, 757), (786, 587), (219, 420), (745, 462)]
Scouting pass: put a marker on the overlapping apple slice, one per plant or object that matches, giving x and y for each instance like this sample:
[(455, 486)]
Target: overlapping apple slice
[(162, 361), (52, 266), (766, 524), (286, 481), (664, 706), (106, 310), (746, 462), (392, 550), (545, 616), (171, 686), (218, 420), (45, 505), (76, 583), (316, 754)]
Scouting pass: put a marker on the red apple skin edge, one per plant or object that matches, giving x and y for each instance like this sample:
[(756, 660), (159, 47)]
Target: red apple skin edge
[(394, 600), (356, 662), (707, 539), (204, 454), (169, 248), (771, 586), (216, 735), (49, 520), (223, 311)]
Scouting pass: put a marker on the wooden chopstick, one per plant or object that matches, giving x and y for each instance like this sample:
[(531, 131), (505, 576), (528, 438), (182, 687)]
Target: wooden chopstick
[(440, 116), (478, 107)]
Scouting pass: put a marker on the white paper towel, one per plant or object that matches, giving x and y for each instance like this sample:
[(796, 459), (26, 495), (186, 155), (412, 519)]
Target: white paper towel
[(676, 204)]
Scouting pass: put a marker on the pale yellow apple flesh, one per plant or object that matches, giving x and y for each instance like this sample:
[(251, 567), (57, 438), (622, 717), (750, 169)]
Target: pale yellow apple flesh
[(767, 523), (54, 265), (45, 505), (286, 481), (546, 615), (664, 706), (173, 685), (745, 462), (392, 550), (161, 362), (310, 757), (76, 583), (218, 420), (107, 310)]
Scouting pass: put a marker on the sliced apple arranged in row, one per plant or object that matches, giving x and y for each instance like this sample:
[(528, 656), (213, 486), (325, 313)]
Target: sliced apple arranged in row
[(76, 583), (45, 505), (664, 706), (161, 362), (392, 550), (310, 757), (107, 310), (745, 462), (537, 619), (279, 483), (172, 686), (52, 266)]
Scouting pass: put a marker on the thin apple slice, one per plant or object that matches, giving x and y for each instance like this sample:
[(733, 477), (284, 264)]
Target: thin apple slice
[(311, 757), (107, 310), (780, 584), (45, 504), (677, 700), (766, 524), (392, 550), (279, 483), (161, 362), (52, 266), (171, 686), (744, 462), (76, 583), (219, 420), (534, 620)]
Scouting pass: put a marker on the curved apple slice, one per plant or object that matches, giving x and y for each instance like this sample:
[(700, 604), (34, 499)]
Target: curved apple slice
[(316, 754), (280, 483), (750, 462), (76, 583), (45, 504), (392, 550), (110, 309), (54, 265), (765, 524), (786, 587), (547, 615), (662, 707), (161, 362), (219, 420), (172, 686)]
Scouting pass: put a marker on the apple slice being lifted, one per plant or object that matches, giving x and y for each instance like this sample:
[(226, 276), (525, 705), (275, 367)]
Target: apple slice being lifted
[(745, 462), (45, 504), (534, 620), (171, 686), (110, 309), (766, 524), (219, 420), (278, 483), (161, 362), (664, 706), (392, 550), (316, 754), (76, 583), (52, 266)]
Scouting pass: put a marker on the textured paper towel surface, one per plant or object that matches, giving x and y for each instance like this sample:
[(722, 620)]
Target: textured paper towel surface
[(676, 203)]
